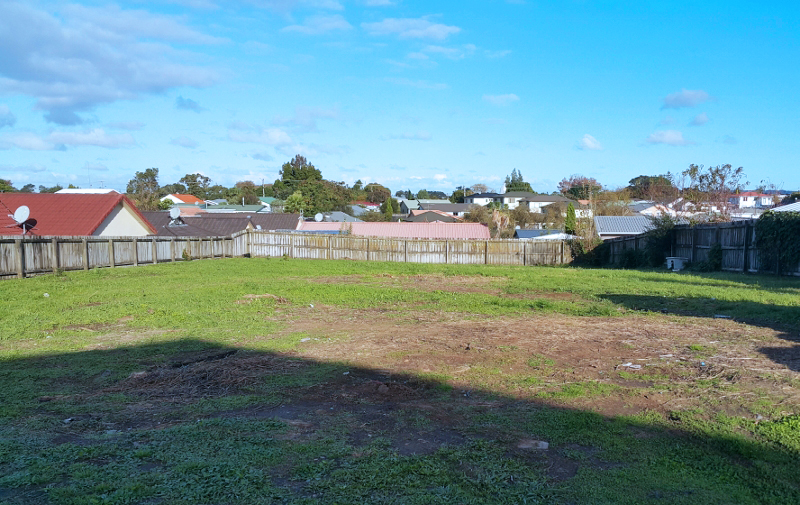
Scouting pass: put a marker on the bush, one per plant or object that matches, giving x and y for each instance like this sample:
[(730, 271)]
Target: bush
[(778, 241), (659, 240), (714, 261), (632, 258)]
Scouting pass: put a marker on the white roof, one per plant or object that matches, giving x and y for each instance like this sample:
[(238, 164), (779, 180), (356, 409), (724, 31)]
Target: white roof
[(792, 207), (90, 191)]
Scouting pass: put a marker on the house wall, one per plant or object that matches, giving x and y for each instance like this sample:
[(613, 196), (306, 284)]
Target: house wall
[(122, 222)]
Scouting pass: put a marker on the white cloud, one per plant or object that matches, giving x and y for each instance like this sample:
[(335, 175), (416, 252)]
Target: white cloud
[(453, 53), (699, 120), (589, 143), (7, 118), (96, 137), (97, 167), (184, 142), (416, 84), (501, 100), (496, 54), (411, 28), (34, 167), (268, 136), (420, 135), (126, 125), (440, 177), (188, 104), (89, 56), (378, 3), (57, 141), (669, 137), (317, 25), (685, 98), (305, 118)]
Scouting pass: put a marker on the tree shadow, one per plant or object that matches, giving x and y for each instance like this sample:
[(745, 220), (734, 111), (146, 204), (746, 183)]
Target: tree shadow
[(783, 319), (195, 422)]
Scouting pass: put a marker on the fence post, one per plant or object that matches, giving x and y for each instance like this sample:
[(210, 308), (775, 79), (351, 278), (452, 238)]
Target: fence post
[(405, 251), (446, 248), (694, 244), (136, 252), (111, 259), (525, 253), (561, 262), (20, 247), (172, 249), (85, 243), (746, 258), (486, 252), (368, 244), (54, 255), (154, 247)]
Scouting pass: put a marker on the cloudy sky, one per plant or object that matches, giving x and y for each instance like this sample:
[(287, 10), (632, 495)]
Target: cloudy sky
[(412, 94)]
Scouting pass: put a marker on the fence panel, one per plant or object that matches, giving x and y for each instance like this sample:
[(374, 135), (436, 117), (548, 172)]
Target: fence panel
[(426, 251), (386, 249), (466, 252)]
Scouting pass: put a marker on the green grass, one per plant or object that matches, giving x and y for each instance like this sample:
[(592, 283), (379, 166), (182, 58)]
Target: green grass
[(286, 437)]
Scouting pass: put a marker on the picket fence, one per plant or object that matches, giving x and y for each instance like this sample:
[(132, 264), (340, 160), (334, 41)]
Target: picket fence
[(30, 255)]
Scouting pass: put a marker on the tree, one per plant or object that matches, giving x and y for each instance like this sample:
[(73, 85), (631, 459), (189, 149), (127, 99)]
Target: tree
[(436, 195), (658, 188), (294, 204), (292, 173), (579, 187), (377, 193), (570, 222), (323, 196), (423, 194), (246, 193), (172, 189), (216, 192), (481, 188), (6, 186), (711, 188), (45, 189), (28, 188), (522, 216), (143, 188), (387, 210), (514, 182), (459, 194), (196, 184)]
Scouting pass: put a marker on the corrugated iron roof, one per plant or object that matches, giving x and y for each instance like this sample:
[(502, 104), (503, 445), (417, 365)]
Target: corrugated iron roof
[(792, 207), (622, 225), (407, 230), (65, 214)]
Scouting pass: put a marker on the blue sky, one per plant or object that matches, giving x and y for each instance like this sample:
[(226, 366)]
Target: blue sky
[(410, 94)]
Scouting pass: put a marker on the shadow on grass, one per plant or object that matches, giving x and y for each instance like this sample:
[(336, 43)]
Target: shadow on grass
[(783, 319), (195, 422)]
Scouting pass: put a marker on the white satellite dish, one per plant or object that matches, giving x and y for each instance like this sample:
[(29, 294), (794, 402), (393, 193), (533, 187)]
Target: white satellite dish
[(174, 212), (22, 214), (258, 227), (318, 217)]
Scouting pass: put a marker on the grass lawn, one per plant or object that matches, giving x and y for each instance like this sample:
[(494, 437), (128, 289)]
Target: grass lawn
[(289, 381)]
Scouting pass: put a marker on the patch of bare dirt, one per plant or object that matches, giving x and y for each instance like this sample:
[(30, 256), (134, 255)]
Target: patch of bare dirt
[(247, 299)]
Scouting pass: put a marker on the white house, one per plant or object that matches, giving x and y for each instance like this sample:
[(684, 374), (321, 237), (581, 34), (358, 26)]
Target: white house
[(752, 199)]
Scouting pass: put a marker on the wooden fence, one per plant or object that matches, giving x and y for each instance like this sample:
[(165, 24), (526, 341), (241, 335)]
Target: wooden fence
[(456, 252), (22, 256), (737, 240)]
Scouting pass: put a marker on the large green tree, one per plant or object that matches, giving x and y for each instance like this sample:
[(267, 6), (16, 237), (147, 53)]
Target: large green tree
[(515, 182), (579, 187), (143, 189), (570, 221), (196, 184), (710, 188), (459, 194), (6, 186), (377, 193), (292, 173), (656, 188), (323, 196)]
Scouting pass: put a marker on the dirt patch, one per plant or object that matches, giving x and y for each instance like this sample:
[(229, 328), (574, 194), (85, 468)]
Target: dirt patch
[(544, 296), (247, 299), (455, 283)]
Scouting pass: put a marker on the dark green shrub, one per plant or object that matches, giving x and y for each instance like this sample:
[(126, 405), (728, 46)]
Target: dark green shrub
[(778, 241), (659, 240), (713, 262), (632, 258)]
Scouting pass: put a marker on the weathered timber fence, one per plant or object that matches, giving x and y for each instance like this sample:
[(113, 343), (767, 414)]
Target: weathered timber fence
[(22, 256), (456, 252), (737, 240), (31, 254)]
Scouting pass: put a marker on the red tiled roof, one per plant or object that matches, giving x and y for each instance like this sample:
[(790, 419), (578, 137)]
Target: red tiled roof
[(752, 193), (64, 214), (188, 198), (406, 230)]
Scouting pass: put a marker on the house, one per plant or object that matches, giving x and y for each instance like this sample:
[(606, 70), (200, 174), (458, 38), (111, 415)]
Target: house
[(536, 203), (340, 217), (430, 216), (406, 206), (482, 199), (403, 229), (187, 199), (86, 214), (792, 207), (90, 191), (750, 199), (219, 225), (454, 209), (609, 227), (542, 235)]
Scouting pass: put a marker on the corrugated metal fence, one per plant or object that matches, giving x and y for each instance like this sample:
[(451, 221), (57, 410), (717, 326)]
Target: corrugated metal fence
[(21, 256), (737, 240)]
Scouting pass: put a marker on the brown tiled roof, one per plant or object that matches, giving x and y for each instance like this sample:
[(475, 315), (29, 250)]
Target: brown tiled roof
[(220, 225)]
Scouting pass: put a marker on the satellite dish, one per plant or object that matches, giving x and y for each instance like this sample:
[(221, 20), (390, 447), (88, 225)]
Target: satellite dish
[(258, 227), (318, 217), (22, 214), (174, 212)]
